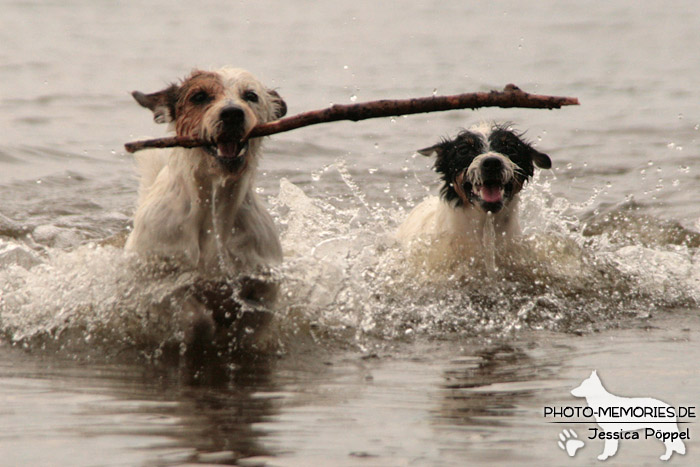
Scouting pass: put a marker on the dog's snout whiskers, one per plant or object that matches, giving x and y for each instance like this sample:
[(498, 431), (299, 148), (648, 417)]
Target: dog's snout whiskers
[(519, 170)]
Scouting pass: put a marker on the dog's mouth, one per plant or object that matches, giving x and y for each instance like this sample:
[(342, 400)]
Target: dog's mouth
[(231, 154), (228, 149), (491, 196), (491, 193)]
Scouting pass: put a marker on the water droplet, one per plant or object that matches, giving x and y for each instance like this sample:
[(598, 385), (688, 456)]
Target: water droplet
[(315, 176), (372, 171), (435, 92), (345, 67), (353, 98), (680, 116)]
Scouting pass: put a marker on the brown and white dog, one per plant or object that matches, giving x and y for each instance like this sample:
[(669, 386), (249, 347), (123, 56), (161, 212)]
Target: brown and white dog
[(483, 169), (197, 207)]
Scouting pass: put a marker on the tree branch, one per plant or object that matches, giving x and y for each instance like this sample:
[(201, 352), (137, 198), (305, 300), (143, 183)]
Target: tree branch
[(511, 96)]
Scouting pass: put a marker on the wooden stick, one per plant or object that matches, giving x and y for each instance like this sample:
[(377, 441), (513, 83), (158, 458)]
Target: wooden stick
[(511, 96)]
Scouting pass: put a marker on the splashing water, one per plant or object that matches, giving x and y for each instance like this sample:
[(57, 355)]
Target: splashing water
[(345, 278), (91, 296), (489, 243), (347, 272)]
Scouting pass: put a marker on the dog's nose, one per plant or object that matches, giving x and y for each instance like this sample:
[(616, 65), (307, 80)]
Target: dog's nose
[(491, 164), (491, 168), (232, 115)]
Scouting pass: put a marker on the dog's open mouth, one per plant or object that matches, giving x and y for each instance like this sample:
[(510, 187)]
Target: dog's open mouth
[(490, 193), (227, 149), (490, 196), (231, 154)]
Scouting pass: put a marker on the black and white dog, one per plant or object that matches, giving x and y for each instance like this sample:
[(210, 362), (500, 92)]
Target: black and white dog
[(483, 169), (197, 207)]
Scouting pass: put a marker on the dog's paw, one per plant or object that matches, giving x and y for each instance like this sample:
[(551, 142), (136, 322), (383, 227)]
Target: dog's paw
[(569, 442)]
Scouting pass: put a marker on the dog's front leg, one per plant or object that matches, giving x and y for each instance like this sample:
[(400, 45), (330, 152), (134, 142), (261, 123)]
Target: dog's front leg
[(609, 449)]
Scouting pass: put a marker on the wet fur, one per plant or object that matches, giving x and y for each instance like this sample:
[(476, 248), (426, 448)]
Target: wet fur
[(451, 228), (201, 211)]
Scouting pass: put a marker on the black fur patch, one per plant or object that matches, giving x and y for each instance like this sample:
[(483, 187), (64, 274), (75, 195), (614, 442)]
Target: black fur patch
[(454, 156)]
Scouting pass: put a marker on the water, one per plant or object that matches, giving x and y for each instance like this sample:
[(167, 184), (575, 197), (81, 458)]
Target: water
[(370, 360)]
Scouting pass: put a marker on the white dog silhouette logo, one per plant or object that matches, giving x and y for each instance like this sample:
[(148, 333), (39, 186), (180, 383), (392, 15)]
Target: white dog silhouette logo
[(617, 416)]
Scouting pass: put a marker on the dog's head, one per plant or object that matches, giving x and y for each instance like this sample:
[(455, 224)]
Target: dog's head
[(219, 106), (485, 166)]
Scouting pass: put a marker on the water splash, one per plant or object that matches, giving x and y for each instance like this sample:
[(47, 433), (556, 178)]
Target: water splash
[(489, 243), (564, 275), (577, 268)]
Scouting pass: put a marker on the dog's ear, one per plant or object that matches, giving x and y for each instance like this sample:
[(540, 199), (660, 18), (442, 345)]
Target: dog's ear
[(439, 149), (161, 103), (280, 105), (541, 159), (429, 151)]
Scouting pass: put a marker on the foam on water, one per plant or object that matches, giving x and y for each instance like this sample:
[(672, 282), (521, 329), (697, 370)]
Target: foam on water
[(345, 278), (92, 296)]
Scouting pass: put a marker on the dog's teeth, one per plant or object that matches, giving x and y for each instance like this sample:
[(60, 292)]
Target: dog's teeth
[(228, 149), (231, 150)]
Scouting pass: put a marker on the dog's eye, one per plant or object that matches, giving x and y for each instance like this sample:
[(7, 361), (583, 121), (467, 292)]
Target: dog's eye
[(200, 97), (250, 96)]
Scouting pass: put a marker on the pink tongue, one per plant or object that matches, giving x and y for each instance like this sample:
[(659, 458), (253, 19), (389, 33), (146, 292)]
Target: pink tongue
[(491, 194), (228, 149)]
